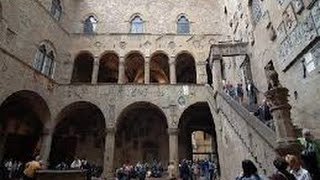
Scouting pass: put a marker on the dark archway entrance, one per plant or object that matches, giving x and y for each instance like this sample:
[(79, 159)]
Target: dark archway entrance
[(82, 68), (141, 135), (79, 133), (134, 68), (22, 116), (197, 129), (186, 69), (159, 68), (108, 68)]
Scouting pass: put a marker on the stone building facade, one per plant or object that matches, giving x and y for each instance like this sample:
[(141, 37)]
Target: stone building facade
[(117, 81)]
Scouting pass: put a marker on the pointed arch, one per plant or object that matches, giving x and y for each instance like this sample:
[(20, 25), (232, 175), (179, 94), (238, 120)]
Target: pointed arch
[(183, 24)]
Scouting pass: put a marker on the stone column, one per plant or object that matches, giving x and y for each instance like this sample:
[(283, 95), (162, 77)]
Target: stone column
[(95, 71), (216, 72), (173, 76), (173, 147), (108, 170), (46, 146), (3, 140), (285, 132), (121, 71), (147, 70)]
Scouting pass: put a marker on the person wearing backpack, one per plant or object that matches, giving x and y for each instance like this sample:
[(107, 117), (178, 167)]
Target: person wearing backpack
[(310, 154)]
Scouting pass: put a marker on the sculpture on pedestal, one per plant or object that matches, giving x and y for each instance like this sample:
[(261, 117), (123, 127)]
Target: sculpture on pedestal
[(280, 109)]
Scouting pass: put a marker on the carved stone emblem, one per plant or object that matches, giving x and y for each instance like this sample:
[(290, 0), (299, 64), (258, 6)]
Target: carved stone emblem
[(289, 18), (122, 44), (297, 6)]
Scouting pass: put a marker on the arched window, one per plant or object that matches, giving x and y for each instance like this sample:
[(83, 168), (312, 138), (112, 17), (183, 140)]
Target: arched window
[(183, 25), (90, 25), (137, 25), (56, 9), (44, 60)]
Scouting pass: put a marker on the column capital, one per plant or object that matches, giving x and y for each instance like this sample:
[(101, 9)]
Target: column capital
[(110, 130), (173, 131), (47, 131), (172, 61)]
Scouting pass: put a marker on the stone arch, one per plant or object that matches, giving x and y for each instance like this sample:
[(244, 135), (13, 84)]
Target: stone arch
[(197, 117), (159, 67), (143, 127), (109, 67), (186, 68), (23, 116), (79, 129), (83, 67), (134, 67)]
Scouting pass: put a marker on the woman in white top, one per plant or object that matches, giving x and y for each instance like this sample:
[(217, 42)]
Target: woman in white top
[(296, 169)]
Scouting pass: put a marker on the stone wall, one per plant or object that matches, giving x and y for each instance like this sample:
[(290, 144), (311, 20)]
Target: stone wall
[(285, 32)]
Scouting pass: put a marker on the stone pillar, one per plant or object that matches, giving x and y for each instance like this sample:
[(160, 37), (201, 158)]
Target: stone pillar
[(173, 147), (121, 71), (95, 71), (108, 170), (216, 72), (46, 146), (3, 140), (285, 132), (147, 70), (173, 76)]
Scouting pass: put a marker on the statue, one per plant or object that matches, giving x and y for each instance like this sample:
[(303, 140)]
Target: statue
[(272, 76)]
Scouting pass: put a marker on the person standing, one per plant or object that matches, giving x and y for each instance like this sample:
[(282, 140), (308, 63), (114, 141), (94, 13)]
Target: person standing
[(249, 171), (296, 169), (31, 168), (209, 72), (172, 171), (76, 164), (281, 173), (310, 154), (263, 112), (239, 91), (252, 94)]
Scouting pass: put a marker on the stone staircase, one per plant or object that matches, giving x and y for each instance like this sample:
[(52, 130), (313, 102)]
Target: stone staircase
[(253, 139)]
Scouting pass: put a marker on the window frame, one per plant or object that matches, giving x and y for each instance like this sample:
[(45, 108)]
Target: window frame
[(44, 61), (183, 27), (137, 27), (88, 23)]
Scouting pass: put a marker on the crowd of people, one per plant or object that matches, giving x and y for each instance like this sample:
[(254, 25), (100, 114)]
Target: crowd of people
[(140, 171), (291, 167), (17, 170), (91, 169), (194, 170), (262, 111)]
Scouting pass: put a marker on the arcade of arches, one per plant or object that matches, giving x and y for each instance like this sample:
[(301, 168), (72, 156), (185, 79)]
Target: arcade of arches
[(134, 68), (141, 132)]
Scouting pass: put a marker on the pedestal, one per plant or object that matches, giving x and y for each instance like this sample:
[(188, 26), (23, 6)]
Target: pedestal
[(285, 132)]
